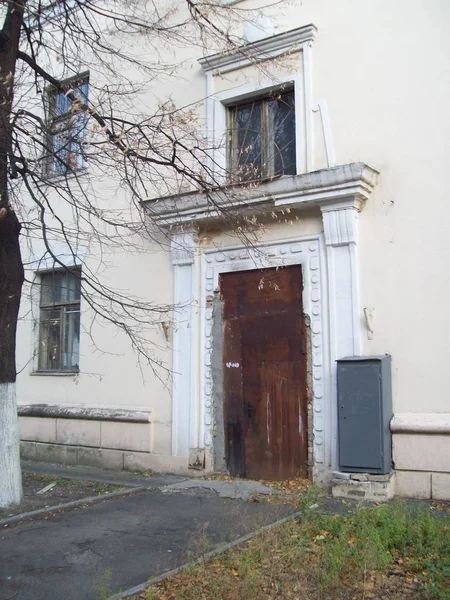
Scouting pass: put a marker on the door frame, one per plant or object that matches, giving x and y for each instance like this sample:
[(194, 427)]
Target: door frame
[(310, 253)]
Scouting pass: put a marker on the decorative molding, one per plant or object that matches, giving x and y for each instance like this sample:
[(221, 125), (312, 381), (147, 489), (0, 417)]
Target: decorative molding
[(431, 423), (86, 413), (352, 181), (309, 253), (340, 224), (182, 246), (340, 221), (322, 108), (355, 180), (269, 47), (184, 417), (307, 110), (340, 193)]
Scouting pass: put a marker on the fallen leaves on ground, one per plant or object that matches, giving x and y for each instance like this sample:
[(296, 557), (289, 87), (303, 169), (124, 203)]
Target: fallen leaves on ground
[(220, 477), (298, 485), (380, 553)]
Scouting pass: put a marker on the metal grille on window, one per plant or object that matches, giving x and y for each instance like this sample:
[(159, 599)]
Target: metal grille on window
[(59, 335), (262, 138), (68, 128)]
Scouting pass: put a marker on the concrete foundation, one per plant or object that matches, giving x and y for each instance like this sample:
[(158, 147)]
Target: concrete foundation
[(105, 458), (364, 486)]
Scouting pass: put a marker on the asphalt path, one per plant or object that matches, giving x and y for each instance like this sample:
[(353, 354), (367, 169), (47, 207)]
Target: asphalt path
[(94, 551)]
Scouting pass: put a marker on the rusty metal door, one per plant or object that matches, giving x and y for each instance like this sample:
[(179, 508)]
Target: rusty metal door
[(264, 366)]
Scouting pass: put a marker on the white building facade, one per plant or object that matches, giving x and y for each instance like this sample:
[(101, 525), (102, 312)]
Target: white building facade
[(360, 210)]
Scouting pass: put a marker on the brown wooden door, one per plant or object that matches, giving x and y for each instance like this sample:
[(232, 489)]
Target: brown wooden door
[(264, 365)]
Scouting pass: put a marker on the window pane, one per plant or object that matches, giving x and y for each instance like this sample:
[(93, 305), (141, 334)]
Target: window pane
[(248, 142), (71, 347), (83, 91), (78, 137), (51, 288), (49, 343), (62, 104), (282, 145), (68, 143), (73, 287), (60, 287), (61, 143)]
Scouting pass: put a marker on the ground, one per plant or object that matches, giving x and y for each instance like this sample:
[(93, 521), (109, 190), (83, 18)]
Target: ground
[(113, 544), (64, 490), (319, 549), (389, 552)]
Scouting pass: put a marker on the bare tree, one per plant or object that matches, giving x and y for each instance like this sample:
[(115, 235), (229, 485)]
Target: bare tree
[(58, 136)]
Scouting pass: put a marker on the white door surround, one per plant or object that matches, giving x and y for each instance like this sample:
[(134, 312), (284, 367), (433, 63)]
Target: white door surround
[(183, 349), (309, 252), (330, 272)]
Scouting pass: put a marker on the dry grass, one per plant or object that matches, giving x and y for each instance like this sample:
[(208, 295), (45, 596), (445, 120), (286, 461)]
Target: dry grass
[(385, 552)]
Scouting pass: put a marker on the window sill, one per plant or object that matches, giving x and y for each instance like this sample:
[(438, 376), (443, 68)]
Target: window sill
[(54, 373), (57, 177)]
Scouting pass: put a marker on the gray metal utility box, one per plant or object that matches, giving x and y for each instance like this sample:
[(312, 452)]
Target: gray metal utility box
[(364, 414)]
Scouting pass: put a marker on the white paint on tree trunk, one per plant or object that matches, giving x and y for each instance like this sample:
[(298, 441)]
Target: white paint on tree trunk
[(10, 473)]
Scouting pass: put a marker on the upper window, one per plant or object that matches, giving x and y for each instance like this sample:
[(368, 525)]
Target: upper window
[(59, 333), (262, 137), (67, 127)]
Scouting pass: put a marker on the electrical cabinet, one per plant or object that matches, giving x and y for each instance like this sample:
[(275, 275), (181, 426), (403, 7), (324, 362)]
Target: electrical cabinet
[(364, 414)]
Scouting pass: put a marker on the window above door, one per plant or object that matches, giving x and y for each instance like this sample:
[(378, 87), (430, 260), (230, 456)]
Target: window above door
[(258, 109), (261, 136)]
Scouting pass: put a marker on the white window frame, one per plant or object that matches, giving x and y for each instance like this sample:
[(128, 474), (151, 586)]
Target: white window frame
[(296, 41)]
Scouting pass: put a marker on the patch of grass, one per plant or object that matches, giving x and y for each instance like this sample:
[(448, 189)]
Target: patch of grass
[(98, 488), (42, 478), (94, 488), (347, 548), (311, 499), (394, 551)]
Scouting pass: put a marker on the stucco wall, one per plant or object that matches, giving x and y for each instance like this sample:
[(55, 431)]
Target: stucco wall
[(382, 68), (111, 374)]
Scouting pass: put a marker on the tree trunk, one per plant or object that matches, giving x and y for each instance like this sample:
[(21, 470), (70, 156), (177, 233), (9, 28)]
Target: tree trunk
[(11, 267), (11, 279), (10, 473)]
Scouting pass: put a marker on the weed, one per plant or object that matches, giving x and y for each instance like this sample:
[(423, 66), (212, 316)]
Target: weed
[(393, 549), (104, 586), (310, 499)]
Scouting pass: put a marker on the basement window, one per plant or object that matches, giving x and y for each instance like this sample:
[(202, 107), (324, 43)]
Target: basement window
[(262, 137), (59, 331)]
